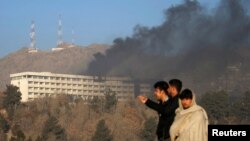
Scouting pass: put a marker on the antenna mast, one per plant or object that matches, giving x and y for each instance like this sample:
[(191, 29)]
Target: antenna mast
[(60, 32), (32, 47)]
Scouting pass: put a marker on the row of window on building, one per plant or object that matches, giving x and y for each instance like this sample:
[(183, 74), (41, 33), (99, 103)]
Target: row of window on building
[(127, 86), (60, 78), (55, 90), (37, 95)]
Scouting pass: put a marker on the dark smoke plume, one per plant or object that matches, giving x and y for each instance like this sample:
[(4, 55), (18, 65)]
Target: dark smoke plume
[(190, 44)]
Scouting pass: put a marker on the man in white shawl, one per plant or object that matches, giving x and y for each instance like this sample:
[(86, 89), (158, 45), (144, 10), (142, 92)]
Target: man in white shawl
[(191, 121)]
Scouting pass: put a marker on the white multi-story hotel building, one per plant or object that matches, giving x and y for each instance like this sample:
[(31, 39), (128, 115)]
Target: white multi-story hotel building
[(40, 84)]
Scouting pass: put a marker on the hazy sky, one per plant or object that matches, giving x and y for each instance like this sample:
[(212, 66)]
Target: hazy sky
[(93, 21)]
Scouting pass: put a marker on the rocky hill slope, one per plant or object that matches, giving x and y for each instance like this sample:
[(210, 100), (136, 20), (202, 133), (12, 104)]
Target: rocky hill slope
[(73, 60)]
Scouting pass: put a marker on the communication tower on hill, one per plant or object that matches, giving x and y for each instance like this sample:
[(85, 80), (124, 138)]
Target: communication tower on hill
[(32, 47), (60, 32), (73, 38)]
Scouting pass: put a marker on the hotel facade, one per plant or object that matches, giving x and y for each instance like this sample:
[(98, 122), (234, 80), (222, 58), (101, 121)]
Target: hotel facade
[(34, 85)]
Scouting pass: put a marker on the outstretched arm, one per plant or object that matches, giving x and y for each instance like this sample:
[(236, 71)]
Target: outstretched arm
[(142, 99), (166, 110)]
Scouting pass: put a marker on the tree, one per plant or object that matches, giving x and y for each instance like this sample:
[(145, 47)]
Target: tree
[(95, 103), (102, 132), (38, 138), (110, 100), (29, 139), (241, 108), (18, 134), (217, 106), (147, 133), (53, 131), (4, 128), (245, 106), (11, 99), (3, 136), (4, 125)]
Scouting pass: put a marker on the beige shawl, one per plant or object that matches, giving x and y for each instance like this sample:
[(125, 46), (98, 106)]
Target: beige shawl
[(190, 124)]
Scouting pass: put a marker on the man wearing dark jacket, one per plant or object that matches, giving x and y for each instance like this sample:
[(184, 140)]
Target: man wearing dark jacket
[(167, 95)]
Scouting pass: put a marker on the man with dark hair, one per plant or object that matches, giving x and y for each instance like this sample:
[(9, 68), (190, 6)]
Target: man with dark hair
[(175, 86), (168, 103), (191, 122)]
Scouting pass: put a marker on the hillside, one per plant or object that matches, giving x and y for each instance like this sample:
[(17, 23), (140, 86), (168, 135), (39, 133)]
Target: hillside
[(70, 61), (75, 120), (78, 120)]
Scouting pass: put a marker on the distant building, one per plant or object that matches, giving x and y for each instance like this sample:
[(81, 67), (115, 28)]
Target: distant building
[(62, 46), (41, 84), (32, 50)]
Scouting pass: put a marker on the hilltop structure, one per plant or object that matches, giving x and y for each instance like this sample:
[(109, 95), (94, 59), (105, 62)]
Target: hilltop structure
[(61, 45)]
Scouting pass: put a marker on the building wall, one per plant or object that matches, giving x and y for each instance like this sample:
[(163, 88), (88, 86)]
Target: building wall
[(40, 84), (23, 87)]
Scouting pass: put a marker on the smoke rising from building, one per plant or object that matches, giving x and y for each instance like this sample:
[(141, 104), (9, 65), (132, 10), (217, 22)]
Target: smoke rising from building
[(190, 44)]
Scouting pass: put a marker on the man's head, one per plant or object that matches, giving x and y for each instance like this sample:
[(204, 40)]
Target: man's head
[(186, 97), (175, 86), (161, 88)]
